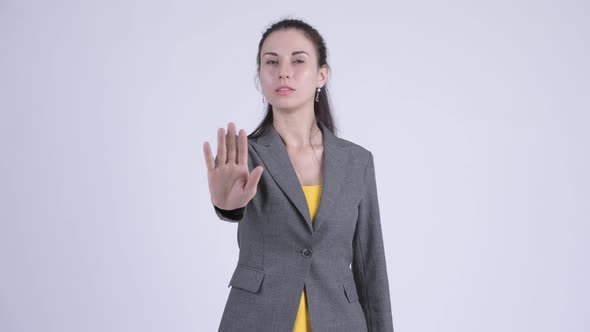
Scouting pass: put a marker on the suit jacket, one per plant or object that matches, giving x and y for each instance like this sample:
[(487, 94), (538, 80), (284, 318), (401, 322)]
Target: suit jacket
[(339, 258)]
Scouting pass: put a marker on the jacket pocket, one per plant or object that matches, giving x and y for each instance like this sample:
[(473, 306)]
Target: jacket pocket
[(350, 290), (247, 278)]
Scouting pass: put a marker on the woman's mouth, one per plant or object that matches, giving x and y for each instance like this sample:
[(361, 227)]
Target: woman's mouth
[(284, 91)]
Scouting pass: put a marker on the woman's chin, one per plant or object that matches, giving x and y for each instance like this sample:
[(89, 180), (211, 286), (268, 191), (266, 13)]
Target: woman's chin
[(287, 105)]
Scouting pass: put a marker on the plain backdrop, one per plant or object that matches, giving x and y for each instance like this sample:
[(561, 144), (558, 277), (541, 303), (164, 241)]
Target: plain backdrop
[(477, 113)]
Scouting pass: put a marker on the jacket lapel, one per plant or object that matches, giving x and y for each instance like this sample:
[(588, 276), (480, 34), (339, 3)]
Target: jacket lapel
[(277, 163)]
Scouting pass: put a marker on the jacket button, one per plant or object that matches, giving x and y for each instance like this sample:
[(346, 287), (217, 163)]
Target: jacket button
[(306, 252)]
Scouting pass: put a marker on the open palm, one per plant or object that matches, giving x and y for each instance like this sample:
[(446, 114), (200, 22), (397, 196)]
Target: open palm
[(231, 184)]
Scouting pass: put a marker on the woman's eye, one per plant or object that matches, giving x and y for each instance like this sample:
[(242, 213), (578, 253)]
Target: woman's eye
[(271, 62), (299, 61)]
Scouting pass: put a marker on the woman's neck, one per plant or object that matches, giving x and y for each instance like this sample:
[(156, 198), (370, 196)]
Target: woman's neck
[(295, 128)]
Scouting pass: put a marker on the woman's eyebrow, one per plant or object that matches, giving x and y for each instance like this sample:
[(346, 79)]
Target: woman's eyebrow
[(294, 53)]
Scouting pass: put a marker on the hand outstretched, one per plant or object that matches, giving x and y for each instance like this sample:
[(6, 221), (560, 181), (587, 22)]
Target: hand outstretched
[(231, 184)]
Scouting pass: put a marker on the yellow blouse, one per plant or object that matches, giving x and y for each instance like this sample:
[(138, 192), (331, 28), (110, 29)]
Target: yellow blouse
[(302, 322)]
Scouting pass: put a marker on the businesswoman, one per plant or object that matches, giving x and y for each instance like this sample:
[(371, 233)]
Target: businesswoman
[(311, 247)]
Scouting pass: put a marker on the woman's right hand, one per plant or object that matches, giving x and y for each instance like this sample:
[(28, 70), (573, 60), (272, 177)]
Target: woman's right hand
[(231, 184)]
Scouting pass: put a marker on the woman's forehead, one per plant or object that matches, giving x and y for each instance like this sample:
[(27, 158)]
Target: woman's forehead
[(285, 42)]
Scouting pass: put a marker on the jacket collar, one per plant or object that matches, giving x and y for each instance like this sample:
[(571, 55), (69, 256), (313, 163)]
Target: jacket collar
[(277, 162)]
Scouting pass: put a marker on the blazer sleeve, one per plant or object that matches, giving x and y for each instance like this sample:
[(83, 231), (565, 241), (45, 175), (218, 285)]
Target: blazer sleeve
[(230, 215), (368, 265)]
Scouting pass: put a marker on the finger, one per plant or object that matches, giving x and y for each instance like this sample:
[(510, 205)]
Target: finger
[(253, 180), (242, 147), (231, 143), (209, 161), (220, 146)]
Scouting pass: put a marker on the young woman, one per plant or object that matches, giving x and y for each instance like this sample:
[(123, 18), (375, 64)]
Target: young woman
[(311, 247)]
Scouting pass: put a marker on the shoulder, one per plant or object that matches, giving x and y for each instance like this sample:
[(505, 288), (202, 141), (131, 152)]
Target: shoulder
[(358, 151)]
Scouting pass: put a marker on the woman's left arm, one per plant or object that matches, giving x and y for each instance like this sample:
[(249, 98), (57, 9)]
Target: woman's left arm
[(368, 265)]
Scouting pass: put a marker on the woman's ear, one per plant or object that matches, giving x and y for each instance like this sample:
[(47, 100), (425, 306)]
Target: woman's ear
[(323, 74)]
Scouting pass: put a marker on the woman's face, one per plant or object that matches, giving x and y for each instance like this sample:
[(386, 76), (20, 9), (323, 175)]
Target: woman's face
[(289, 73)]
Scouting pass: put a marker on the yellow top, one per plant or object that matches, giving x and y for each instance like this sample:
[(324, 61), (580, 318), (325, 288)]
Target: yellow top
[(302, 322)]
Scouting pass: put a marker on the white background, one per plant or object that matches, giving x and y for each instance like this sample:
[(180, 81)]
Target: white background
[(477, 113)]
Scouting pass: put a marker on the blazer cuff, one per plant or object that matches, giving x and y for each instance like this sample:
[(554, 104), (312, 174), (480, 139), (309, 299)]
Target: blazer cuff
[(230, 215)]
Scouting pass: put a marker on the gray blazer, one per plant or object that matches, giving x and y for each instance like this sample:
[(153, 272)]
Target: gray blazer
[(339, 258)]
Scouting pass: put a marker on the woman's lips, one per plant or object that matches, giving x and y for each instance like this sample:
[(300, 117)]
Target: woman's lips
[(284, 91)]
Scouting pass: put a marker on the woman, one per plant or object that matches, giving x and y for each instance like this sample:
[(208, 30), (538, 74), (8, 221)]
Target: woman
[(309, 232)]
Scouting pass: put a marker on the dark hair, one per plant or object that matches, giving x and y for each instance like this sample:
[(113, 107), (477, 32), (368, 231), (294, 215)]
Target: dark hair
[(322, 109)]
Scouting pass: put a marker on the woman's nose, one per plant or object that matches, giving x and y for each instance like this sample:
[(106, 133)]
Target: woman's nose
[(285, 71)]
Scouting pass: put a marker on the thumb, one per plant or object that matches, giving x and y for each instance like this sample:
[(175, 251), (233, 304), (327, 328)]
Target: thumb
[(253, 179)]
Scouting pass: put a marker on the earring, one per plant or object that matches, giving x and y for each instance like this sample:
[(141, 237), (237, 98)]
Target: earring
[(317, 95), (263, 99)]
